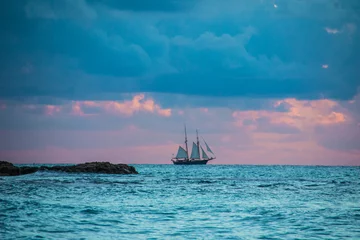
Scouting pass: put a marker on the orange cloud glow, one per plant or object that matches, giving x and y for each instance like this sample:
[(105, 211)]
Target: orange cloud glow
[(127, 107), (76, 109), (51, 109), (301, 114)]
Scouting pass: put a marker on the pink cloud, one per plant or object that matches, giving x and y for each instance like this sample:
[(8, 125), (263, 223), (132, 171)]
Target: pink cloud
[(321, 132), (164, 112), (270, 148), (138, 104), (339, 133), (48, 110), (302, 114), (76, 109), (127, 108), (51, 109)]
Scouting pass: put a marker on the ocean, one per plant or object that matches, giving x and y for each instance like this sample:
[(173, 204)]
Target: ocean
[(184, 202)]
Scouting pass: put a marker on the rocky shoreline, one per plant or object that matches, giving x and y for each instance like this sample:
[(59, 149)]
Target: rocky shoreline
[(8, 169)]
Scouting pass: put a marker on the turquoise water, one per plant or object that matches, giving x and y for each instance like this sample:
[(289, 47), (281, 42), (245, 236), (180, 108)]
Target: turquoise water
[(184, 202)]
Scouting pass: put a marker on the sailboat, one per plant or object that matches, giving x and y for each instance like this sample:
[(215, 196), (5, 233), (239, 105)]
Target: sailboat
[(182, 156)]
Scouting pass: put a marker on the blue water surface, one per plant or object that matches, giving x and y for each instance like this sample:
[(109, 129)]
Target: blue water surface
[(184, 202)]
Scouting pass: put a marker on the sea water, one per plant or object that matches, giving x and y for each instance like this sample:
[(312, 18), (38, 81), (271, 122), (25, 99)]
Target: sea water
[(184, 202)]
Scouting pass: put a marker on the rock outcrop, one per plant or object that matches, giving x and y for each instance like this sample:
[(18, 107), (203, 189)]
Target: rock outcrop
[(94, 167), (8, 169)]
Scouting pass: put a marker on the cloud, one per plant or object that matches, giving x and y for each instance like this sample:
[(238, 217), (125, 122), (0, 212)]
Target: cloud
[(325, 66), (301, 116), (128, 108), (234, 103), (326, 123), (301, 133), (81, 49), (264, 75), (51, 109), (346, 136), (332, 30), (54, 10), (348, 28), (148, 6), (88, 108), (265, 125), (81, 115)]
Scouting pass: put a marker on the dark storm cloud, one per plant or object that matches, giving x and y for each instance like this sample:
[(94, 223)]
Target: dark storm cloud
[(91, 49)]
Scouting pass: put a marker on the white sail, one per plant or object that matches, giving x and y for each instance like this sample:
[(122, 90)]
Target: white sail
[(204, 155), (181, 153), (195, 152), (207, 147)]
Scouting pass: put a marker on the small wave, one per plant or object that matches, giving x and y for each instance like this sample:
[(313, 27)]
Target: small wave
[(265, 185), (111, 221), (165, 180), (56, 231), (173, 203), (345, 182), (205, 181), (312, 185), (274, 185), (38, 236), (341, 182), (90, 211), (115, 182)]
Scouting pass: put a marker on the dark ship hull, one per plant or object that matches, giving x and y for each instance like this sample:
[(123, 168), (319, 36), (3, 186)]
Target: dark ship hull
[(193, 162)]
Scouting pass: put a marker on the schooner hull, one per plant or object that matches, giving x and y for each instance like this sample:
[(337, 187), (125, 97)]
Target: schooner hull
[(196, 162)]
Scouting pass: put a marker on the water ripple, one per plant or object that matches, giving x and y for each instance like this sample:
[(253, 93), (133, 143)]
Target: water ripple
[(181, 202)]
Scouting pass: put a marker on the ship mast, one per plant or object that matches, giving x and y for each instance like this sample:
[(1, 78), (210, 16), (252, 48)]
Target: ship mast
[(187, 151), (197, 142)]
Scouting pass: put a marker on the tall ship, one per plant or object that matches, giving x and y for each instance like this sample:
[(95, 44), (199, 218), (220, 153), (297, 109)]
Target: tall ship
[(182, 156)]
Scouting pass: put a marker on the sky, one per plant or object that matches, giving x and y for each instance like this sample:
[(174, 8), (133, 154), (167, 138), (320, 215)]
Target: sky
[(264, 81)]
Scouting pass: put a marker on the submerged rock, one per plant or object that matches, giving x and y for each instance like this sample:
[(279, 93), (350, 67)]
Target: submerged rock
[(8, 169)]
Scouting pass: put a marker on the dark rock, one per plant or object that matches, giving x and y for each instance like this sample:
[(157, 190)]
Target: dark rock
[(27, 170), (95, 167), (8, 169)]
